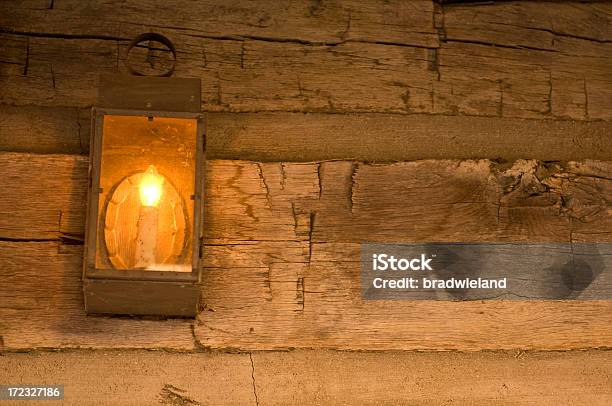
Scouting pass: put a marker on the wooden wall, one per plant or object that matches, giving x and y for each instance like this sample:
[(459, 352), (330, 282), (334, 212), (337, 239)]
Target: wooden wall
[(329, 123)]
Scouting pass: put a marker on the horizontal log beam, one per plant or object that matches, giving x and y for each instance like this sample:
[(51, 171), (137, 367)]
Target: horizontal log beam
[(282, 21), (399, 57), (280, 253), (317, 136), (392, 137), (320, 377), (524, 200)]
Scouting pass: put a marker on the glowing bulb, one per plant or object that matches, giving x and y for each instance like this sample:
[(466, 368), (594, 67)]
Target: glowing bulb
[(151, 187)]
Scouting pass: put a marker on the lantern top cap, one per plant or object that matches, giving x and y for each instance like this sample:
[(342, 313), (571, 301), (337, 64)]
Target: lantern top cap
[(149, 93)]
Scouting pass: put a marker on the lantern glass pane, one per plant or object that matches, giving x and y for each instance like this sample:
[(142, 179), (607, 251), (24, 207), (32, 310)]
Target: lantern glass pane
[(147, 184)]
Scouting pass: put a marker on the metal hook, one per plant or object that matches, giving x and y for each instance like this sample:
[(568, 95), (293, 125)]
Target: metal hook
[(151, 36)]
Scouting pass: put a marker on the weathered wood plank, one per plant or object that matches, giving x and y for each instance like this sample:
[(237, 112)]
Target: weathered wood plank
[(148, 377), (320, 377), (280, 257), (404, 57), (529, 24), (483, 79), (568, 47), (316, 136), (48, 130), (524, 206), (50, 204), (320, 307), (339, 201), (237, 75), (393, 137), (328, 377), (42, 306), (396, 21), (423, 378)]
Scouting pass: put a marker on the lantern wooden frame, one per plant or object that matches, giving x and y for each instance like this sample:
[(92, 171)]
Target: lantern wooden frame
[(137, 291)]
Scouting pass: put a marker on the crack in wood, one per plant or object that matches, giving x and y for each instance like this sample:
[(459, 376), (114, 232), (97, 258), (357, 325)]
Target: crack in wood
[(242, 38), (555, 33), (299, 292), (52, 76), (295, 220), (269, 281), (62, 36), (320, 178), (432, 96), (351, 185), (283, 175), (253, 379), (550, 92), (496, 45), (433, 62), (27, 240), (242, 55), (219, 90), (80, 135), (11, 62), (265, 183), (310, 233)]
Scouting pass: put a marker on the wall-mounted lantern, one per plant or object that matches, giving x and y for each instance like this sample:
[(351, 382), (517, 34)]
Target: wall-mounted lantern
[(143, 232)]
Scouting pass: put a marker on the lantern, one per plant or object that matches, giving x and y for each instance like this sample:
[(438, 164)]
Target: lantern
[(143, 231)]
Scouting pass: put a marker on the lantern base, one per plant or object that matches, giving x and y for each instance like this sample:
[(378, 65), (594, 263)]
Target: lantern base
[(172, 299)]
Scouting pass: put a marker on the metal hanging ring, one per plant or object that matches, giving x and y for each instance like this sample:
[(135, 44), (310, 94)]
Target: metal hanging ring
[(151, 36)]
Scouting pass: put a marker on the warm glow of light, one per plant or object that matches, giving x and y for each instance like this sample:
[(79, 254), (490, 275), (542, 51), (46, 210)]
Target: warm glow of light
[(151, 187)]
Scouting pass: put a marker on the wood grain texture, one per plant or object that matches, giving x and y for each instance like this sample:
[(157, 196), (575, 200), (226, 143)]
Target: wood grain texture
[(41, 305), (281, 251), (393, 137), (377, 21), (148, 377), (319, 377), (336, 378), (51, 204), (320, 136), (395, 57), (63, 130), (315, 300), (567, 47)]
